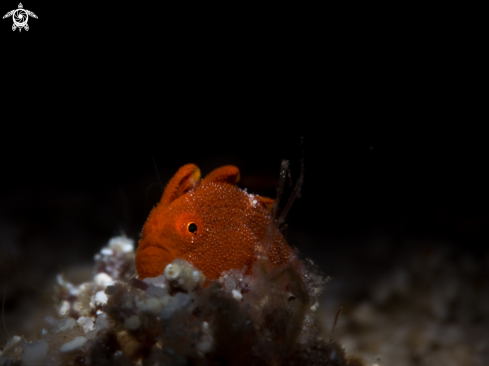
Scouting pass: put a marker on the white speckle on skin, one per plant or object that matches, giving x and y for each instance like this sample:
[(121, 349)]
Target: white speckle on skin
[(252, 199), (237, 295)]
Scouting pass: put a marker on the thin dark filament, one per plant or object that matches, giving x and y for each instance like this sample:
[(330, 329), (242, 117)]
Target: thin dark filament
[(284, 168), (296, 193), (336, 321)]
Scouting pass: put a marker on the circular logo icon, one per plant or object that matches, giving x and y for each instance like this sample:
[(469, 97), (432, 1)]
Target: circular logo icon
[(20, 17)]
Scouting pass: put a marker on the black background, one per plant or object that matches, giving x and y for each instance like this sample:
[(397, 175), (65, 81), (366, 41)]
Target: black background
[(387, 107)]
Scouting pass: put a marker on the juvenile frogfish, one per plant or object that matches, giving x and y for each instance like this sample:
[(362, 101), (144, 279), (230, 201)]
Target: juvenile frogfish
[(212, 224)]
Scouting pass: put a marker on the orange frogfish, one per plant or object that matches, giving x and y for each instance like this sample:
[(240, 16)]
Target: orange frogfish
[(212, 224)]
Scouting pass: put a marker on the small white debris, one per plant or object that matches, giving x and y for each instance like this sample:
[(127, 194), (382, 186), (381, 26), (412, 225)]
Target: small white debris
[(173, 271), (132, 322), (205, 344), (64, 309), (100, 298), (60, 280), (100, 323), (121, 244), (44, 331), (315, 306), (183, 274), (103, 280), (150, 305), (67, 285), (73, 345), (74, 291), (237, 295), (106, 251), (60, 325), (86, 322), (156, 281), (12, 343)]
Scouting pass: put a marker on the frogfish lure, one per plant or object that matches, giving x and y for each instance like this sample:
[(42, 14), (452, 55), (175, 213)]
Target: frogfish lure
[(211, 223)]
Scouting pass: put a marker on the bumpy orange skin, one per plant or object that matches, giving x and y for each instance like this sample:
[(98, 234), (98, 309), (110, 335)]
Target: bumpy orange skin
[(232, 226)]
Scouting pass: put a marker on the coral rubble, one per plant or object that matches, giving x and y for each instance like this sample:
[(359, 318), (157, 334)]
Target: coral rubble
[(263, 318)]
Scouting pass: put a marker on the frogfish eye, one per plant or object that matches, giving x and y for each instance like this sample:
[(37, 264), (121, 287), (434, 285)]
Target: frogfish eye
[(192, 227)]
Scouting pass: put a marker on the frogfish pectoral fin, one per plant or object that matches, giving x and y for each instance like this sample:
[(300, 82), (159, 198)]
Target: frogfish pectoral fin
[(152, 260)]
